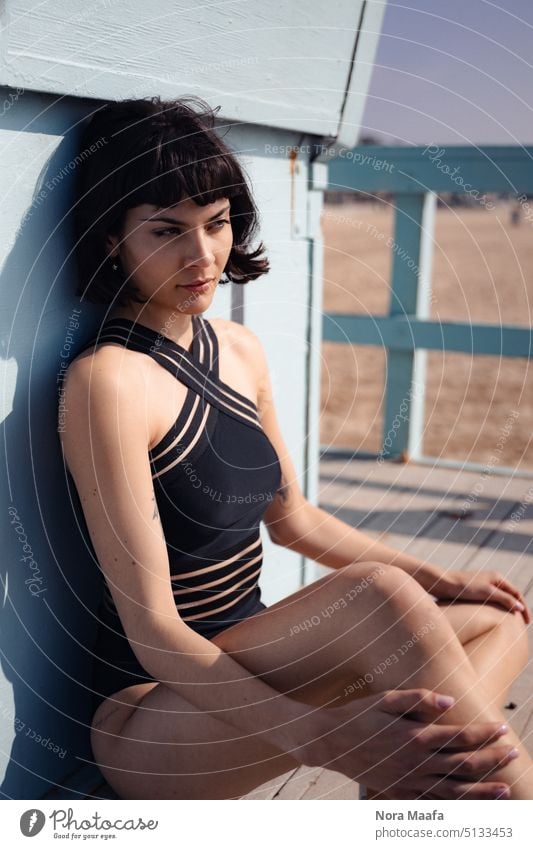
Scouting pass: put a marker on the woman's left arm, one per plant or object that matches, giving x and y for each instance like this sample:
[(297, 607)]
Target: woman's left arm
[(322, 537), (294, 523)]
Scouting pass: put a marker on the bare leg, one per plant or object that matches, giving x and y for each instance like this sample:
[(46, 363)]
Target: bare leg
[(392, 608), (341, 641), (497, 652), (499, 656)]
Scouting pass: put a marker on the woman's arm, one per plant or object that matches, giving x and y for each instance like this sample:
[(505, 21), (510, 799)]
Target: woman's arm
[(106, 450), (295, 523), (328, 540)]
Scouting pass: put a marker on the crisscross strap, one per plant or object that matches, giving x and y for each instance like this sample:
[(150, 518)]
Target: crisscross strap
[(197, 369)]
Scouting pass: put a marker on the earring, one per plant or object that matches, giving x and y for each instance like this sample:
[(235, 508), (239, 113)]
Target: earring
[(114, 266)]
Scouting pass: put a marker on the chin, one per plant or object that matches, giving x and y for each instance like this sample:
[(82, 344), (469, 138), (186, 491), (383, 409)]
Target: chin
[(197, 304)]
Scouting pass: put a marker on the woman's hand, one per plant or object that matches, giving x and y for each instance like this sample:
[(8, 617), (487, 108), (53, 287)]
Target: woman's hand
[(390, 743), (479, 586)]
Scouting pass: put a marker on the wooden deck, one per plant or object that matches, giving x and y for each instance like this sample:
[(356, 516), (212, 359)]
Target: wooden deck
[(456, 519)]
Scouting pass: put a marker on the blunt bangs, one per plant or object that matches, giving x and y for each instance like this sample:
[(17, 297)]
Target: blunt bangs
[(155, 152)]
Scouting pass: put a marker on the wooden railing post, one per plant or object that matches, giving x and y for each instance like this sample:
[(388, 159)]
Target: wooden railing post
[(423, 312), (411, 266)]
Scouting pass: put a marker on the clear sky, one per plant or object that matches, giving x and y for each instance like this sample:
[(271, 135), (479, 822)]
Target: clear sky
[(456, 72)]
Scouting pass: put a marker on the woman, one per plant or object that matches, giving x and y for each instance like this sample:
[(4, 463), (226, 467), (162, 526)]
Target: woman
[(162, 203)]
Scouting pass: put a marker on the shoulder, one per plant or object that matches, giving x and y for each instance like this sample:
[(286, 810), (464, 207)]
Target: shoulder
[(110, 364), (240, 338), (111, 372), (98, 393)]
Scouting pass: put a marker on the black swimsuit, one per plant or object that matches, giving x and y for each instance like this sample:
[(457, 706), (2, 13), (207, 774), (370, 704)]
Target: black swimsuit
[(214, 473)]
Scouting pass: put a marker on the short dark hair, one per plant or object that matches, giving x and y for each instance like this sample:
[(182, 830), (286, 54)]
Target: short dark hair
[(158, 152)]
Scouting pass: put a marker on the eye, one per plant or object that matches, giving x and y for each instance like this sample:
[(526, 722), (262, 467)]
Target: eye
[(165, 232), (176, 230)]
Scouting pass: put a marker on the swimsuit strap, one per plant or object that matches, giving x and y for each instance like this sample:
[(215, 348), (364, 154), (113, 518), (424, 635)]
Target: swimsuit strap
[(197, 369)]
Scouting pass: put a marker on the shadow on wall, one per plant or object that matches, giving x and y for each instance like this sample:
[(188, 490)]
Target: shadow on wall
[(51, 584)]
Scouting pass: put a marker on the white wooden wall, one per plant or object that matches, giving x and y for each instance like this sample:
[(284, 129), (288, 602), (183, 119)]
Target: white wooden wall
[(281, 73), (276, 63)]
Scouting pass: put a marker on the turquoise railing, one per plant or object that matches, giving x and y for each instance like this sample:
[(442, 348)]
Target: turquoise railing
[(413, 176)]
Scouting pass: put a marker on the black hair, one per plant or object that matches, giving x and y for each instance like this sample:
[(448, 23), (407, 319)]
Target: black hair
[(157, 152)]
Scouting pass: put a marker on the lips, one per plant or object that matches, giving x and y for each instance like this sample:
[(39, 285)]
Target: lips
[(197, 283)]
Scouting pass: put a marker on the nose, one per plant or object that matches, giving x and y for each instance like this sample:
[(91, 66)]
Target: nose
[(197, 249)]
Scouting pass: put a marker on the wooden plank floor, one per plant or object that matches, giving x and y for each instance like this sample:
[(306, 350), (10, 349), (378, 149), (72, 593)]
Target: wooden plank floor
[(455, 519)]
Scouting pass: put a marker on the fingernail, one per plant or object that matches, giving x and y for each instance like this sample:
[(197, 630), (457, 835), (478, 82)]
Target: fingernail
[(503, 729), (502, 793), (514, 753), (445, 701), (519, 606)]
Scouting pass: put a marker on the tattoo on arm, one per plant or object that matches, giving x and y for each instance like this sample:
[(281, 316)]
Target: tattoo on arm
[(283, 490), (156, 516)]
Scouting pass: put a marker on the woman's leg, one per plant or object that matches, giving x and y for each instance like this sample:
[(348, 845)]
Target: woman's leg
[(438, 661), (151, 743), (496, 643), (310, 646)]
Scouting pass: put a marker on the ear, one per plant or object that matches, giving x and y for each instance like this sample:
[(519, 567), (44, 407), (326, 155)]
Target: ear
[(111, 243)]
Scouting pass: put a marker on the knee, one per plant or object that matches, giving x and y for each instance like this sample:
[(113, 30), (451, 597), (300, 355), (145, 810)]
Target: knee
[(390, 586)]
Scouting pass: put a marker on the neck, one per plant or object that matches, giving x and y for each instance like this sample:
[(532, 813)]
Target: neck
[(174, 324)]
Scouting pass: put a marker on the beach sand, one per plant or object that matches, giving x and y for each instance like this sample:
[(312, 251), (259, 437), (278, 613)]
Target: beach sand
[(477, 408)]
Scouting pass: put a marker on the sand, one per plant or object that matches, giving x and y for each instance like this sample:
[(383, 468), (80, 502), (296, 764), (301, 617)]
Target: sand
[(477, 408)]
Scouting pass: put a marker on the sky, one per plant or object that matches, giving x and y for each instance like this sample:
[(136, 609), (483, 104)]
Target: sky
[(456, 72)]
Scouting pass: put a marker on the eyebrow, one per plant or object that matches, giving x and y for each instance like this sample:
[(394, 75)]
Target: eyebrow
[(169, 220)]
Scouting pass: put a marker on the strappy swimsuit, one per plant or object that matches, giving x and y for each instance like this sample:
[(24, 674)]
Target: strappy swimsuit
[(214, 474)]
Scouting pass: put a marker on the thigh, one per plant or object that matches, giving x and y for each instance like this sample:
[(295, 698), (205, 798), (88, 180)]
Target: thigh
[(306, 646), (330, 630), (164, 747)]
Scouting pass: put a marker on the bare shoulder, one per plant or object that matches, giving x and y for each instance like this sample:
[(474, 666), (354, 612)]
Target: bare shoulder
[(108, 380), (242, 339), (110, 365), (249, 354)]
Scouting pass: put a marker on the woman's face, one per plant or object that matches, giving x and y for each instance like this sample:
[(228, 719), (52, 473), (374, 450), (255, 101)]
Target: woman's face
[(165, 249)]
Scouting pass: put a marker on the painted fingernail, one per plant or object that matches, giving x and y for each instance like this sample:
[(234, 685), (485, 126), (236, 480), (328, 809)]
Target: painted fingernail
[(445, 701), (503, 729), (514, 753), (502, 793), (519, 606)]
